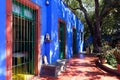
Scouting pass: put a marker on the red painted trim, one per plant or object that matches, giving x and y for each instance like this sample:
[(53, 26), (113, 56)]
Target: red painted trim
[(8, 40), (37, 34), (37, 44), (9, 36), (62, 21), (29, 3)]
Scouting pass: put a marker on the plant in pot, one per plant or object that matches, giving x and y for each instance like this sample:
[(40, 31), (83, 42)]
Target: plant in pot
[(111, 59), (102, 58), (117, 55)]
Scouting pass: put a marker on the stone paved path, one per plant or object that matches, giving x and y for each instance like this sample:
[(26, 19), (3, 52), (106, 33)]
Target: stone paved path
[(83, 69)]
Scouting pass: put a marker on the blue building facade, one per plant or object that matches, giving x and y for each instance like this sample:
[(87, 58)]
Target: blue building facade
[(56, 20), (58, 10)]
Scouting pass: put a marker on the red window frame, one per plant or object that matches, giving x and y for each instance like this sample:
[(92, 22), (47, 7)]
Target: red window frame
[(9, 36)]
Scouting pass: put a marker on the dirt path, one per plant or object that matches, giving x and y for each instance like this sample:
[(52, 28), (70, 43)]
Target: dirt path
[(83, 69)]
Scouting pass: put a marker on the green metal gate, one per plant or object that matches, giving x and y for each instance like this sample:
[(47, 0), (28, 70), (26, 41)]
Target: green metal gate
[(23, 36)]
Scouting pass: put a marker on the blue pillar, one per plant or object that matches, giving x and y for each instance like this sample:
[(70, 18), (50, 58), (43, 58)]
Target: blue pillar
[(3, 40), (48, 21)]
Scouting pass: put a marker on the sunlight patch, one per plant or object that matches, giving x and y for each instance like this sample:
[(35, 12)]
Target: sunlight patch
[(2, 71), (56, 45), (42, 40), (51, 53), (2, 55)]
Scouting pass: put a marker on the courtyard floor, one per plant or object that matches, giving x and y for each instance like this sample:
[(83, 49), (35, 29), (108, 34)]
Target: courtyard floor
[(82, 68)]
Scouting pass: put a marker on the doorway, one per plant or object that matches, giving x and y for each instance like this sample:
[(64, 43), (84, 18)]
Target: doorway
[(23, 47), (22, 39), (62, 39), (74, 41)]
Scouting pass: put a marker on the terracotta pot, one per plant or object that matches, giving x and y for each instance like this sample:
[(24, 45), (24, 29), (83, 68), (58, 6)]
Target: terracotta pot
[(118, 67), (103, 60)]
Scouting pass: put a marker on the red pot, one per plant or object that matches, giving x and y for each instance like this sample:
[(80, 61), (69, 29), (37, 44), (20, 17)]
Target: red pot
[(118, 67), (103, 60)]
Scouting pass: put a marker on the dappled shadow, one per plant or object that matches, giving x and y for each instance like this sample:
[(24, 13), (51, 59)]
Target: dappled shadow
[(82, 69), (83, 65), (71, 73), (94, 75), (48, 78), (98, 75), (88, 73)]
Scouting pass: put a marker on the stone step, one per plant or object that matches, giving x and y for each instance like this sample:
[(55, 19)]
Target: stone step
[(54, 69)]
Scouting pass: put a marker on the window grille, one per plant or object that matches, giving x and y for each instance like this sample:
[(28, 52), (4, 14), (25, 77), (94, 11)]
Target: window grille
[(23, 40)]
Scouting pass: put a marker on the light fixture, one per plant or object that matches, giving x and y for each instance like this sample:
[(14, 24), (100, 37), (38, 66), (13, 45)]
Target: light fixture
[(47, 2)]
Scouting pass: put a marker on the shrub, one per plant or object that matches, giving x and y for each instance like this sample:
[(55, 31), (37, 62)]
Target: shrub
[(117, 55), (111, 60)]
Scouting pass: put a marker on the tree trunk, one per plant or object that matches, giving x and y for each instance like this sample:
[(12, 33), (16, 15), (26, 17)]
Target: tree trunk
[(94, 26), (97, 33)]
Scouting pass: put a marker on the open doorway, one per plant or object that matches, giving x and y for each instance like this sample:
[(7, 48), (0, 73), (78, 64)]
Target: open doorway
[(62, 39), (74, 41)]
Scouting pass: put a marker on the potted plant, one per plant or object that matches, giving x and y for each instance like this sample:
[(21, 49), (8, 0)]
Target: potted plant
[(102, 58), (117, 55), (111, 59)]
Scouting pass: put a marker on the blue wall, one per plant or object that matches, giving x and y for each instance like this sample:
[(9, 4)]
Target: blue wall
[(2, 39), (49, 15), (49, 24), (43, 24), (59, 10)]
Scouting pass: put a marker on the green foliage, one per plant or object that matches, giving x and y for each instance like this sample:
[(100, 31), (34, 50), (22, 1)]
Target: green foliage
[(109, 11), (111, 60), (89, 5), (106, 48), (107, 25), (102, 55), (111, 23), (117, 54), (109, 56), (116, 15)]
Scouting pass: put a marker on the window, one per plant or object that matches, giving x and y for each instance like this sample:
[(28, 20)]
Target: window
[(82, 36)]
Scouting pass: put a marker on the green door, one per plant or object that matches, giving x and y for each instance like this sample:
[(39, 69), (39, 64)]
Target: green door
[(62, 40)]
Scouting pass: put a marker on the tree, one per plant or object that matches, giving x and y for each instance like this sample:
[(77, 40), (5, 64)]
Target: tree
[(101, 9)]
